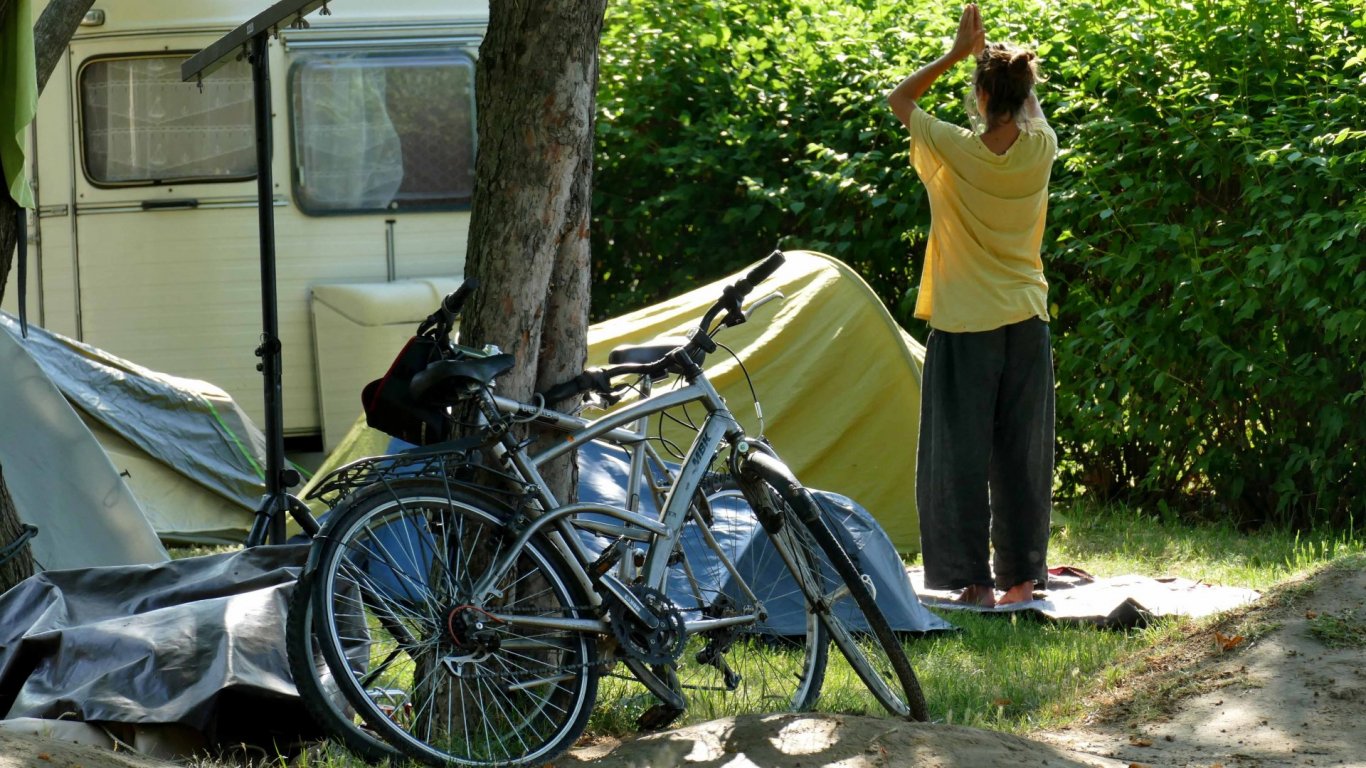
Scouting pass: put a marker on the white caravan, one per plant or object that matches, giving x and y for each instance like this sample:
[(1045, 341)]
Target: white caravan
[(145, 241)]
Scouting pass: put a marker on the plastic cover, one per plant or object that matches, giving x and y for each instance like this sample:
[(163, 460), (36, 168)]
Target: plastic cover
[(198, 642)]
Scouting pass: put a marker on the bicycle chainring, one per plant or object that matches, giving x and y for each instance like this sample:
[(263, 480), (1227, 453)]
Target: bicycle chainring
[(660, 645)]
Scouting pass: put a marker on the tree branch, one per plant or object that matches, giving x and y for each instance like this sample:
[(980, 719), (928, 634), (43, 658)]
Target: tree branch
[(53, 32)]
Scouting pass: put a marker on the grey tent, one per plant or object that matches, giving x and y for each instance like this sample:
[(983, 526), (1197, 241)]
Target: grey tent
[(60, 478), (187, 452)]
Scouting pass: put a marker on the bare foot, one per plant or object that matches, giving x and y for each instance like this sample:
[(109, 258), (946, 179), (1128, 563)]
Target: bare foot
[(1020, 593), (980, 595)]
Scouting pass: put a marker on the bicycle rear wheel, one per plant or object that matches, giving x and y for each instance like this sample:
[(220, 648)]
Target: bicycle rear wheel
[(442, 678), (317, 689), (837, 593)]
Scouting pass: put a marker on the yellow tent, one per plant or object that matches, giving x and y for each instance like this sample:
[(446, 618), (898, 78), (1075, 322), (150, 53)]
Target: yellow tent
[(838, 381)]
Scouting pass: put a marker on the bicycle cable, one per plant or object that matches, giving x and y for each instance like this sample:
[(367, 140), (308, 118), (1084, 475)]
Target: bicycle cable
[(540, 410), (758, 410)]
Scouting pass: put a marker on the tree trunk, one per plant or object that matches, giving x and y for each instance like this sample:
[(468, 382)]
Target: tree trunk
[(51, 33), (536, 84), (20, 566)]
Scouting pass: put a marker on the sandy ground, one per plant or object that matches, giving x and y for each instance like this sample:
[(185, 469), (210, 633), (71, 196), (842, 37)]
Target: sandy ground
[(1283, 697)]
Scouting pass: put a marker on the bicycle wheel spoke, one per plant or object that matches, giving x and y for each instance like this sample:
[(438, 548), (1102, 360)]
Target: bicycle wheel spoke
[(757, 667), (445, 680), (839, 595)]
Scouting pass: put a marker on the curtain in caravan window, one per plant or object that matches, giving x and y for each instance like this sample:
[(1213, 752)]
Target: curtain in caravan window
[(141, 124), (349, 154), (379, 129)]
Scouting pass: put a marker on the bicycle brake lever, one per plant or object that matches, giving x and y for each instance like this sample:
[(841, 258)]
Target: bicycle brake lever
[(775, 296)]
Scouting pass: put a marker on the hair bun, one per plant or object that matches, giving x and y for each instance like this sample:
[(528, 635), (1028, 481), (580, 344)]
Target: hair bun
[(1021, 59)]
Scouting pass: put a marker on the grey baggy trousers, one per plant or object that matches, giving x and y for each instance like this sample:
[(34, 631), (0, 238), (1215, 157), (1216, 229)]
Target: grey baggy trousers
[(984, 470)]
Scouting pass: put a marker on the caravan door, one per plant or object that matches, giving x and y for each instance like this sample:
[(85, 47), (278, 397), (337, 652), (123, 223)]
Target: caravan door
[(166, 261)]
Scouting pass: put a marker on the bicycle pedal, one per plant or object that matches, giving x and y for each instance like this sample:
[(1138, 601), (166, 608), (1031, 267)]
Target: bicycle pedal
[(658, 717), (608, 558)]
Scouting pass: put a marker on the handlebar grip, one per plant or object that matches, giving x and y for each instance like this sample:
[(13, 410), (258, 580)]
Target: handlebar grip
[(456, 299), (591, 380), (764, 270), (562, 391)]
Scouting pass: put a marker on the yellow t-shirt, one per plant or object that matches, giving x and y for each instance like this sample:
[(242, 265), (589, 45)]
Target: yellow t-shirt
[(982, 266)]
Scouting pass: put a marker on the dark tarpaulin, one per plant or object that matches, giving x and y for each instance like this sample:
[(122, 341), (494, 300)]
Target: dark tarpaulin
[(198, 642)]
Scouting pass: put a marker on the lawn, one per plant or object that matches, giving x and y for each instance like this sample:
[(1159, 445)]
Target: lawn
[(1018, 674), (1015, 673)]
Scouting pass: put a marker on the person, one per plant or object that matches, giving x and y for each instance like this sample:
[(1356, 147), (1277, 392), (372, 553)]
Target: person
[(984, 472)]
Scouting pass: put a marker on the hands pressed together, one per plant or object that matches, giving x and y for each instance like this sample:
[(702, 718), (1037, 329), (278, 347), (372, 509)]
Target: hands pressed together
[(971, 38)]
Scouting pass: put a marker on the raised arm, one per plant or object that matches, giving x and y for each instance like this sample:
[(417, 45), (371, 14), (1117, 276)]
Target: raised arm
[(1031, 108), (970, 40)]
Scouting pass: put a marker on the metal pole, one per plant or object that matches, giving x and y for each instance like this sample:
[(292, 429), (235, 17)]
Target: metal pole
[(271, 517)]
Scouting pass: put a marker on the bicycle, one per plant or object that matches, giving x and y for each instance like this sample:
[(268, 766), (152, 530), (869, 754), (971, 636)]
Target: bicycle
[(467, 619)]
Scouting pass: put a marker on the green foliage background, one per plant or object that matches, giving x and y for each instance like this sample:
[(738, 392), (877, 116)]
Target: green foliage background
[(1205, 242)]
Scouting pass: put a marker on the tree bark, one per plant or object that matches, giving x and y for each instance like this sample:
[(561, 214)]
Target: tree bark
[(51, 34), (536, 82), (20, 566), (535, 89)]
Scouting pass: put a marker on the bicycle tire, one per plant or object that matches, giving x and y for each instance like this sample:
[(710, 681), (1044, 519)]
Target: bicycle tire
[(324, 702), (438, 677), (765, 666), (873, 651)]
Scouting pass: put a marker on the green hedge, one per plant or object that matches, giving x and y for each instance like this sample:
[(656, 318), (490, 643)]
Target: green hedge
[(1205, 241)]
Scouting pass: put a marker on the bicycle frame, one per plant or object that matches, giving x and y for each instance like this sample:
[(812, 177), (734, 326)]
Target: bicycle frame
[(660, 535)]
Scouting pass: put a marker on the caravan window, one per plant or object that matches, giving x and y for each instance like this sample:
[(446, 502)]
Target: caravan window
[(378, 130), (141, 124)]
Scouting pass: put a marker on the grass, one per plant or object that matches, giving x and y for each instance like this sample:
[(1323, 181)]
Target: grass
[(1017, 674), (1344, 630)]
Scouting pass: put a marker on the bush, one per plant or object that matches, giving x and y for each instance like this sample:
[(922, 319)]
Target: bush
[(1205, 241), (1208, 223), (729, 128)]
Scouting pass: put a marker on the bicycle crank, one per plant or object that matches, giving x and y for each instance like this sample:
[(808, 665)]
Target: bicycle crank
[(637, 639)]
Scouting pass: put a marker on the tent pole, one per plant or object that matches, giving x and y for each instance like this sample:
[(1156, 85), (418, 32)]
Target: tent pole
[(253, 39)]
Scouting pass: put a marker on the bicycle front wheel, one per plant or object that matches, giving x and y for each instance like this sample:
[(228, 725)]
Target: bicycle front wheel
[(776, 664), (839, 595), (443, 677)]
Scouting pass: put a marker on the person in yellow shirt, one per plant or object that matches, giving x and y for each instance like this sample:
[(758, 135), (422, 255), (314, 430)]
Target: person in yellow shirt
[(984, 472)]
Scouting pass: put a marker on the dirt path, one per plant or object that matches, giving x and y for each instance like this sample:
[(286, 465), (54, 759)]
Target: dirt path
[(1280, 696), (1292, 695), (814, 741)]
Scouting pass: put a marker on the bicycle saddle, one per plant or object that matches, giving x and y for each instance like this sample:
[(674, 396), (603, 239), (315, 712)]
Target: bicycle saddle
[(449, 379)]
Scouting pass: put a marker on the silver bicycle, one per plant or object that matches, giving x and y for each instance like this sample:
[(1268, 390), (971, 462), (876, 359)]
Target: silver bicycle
[(467, 614)]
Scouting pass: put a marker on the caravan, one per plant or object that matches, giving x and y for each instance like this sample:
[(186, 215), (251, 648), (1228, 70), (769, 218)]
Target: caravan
[(145, 239)]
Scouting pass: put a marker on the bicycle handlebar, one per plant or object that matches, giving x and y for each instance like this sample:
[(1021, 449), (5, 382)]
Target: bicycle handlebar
[(680, 359), (456, 299), (443, 319), (762, 272)]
